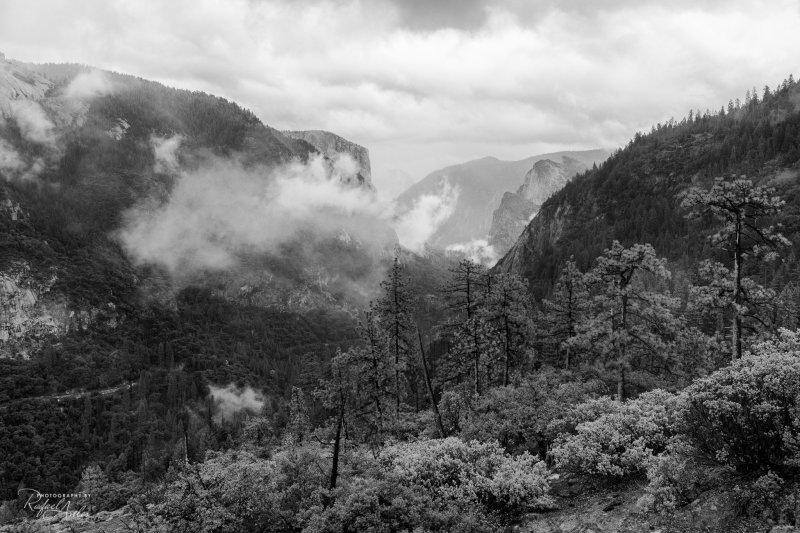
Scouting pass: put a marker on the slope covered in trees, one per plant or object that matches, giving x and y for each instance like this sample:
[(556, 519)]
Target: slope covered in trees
[(636, 195)]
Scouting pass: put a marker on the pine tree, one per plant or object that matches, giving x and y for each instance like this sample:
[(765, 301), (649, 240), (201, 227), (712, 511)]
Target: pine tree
[(741, 208), (508, 310), (628, 327), (299, 424), (373, 363), (564, 309), (464, 294), (394, 313)]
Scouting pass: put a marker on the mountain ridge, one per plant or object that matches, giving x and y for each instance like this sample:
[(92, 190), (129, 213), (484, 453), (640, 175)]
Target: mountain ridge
[(481, 184)]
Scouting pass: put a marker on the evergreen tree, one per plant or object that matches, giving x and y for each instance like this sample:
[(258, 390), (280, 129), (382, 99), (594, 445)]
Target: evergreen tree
[(741, 208), (299, 423), (628, 327), (464, 294), (373, 363), (564, 309), (394, 312), (508, 310)]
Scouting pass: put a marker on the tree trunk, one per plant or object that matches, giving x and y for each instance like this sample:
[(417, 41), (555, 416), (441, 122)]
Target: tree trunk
[(429, 386), (477, 371), (336, 446), (507, 350), (621, 385), (736, 330)]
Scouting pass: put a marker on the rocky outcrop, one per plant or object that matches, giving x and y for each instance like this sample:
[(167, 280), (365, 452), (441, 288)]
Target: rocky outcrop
[(547, 177), (330, 144), (509, 220), (482, 185), (18, 81), (31, 312), (517, 209)]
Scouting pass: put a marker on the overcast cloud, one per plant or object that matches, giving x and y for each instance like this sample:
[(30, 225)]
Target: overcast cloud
[(424, 83)]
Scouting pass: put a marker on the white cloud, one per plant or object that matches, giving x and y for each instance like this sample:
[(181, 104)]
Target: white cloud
[(478, 250), (422, 86), (89, 85), (10, 160), (223, 208), (34, 125), (415, 225), (165, 151), (231, 399)]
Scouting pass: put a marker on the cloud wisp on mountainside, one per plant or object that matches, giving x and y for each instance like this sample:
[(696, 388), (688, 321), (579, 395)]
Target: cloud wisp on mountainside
[(224, 208)]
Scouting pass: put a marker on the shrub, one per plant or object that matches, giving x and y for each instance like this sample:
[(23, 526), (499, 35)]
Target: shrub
[(619, 443), (522, 417), (383, 505), (471, 473), (677, 476), (747, 414)]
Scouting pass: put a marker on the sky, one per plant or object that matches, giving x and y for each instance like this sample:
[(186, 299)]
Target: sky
[(428, 83)]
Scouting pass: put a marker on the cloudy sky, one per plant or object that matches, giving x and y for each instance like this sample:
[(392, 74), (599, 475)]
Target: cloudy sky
[(427, 83)]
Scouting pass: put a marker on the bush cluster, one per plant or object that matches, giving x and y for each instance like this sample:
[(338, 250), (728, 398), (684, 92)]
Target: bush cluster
[(620, 442)]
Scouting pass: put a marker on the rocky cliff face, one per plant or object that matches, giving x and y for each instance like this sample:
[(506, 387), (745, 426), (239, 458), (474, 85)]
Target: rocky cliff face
[(330, 144), (509, 220), (18, 81), (516, 209), (481, 186)]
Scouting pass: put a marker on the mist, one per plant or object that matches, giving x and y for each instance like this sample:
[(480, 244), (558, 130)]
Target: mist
[(223, 209), (230, 400), (33, 123), (478, 250), (415, 225), (165, 151), (89, 85), (10, 161)]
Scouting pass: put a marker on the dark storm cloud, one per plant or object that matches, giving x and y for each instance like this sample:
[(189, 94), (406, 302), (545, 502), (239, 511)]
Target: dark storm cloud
[(426, 15)]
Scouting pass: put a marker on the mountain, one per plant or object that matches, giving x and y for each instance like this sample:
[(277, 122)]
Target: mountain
[(154, 243), (635, 195), (479, 186), (90, 160), (516, 209), (331, 144)]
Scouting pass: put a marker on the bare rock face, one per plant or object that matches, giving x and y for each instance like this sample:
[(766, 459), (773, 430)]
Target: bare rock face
[(509, 221), (330, 144), (547, 177), (18, 81), (517, 209), (481, 185), (31, 312)]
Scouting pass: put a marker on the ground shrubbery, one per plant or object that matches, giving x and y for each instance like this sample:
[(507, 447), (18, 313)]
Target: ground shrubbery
[(429, 485), (527, 417), (739, 426), (470, 472), (747, 415), (620, 442)]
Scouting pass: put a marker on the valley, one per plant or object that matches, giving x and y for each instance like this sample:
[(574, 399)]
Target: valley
[(211, 324)]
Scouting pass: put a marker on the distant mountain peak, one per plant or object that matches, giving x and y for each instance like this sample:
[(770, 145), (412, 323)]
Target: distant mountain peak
[(515, 210), (482, 184)]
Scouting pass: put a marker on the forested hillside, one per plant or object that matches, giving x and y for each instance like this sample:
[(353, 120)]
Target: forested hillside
[(635, 196), (102, 354)]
